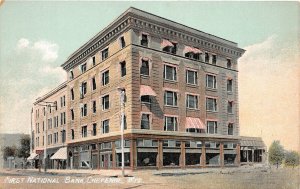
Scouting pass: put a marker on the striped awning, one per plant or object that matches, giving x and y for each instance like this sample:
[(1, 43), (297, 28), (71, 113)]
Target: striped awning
[(166, 43), (195, 123), (188, 49), (146, 91), (32, 156), (60, 154)]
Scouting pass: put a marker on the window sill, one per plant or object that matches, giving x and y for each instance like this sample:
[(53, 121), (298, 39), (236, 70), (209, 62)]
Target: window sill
[(146, 103), (192, 85), (192, 109), (230, 114), (170, 81), (210, 111), (144, 76), (211, 89), (170, 106), (229, 92)]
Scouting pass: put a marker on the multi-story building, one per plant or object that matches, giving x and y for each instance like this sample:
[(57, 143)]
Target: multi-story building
[(181, 98)]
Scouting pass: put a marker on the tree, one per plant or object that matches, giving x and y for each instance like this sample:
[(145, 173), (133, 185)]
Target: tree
[(9, 151), (24, 149), (292, 158), (276, 153)]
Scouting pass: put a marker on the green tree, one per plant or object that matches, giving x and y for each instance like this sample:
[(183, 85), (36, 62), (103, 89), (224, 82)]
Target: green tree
[(292, 158), (24, 149), (276, 153), (9, 151)]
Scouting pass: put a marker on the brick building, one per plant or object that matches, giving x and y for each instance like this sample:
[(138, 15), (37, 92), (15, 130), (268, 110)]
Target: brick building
[(181, 99)]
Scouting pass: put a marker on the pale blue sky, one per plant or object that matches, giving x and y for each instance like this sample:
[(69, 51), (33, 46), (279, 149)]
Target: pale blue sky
[(65, 26)]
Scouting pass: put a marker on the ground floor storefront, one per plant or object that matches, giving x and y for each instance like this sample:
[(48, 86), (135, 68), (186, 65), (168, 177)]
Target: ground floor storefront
[(146, 152)]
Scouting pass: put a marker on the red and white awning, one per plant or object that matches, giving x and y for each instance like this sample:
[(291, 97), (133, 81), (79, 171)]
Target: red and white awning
[(60, 154), (33, 156), (166, 43), (188, 49), (194, 123), (146, 91)]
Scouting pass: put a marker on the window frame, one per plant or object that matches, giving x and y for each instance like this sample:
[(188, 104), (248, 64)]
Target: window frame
[(104, 107), (149, 120), (105, 128), (196, 101), (142, 68), (123, 68), (195, 77), (215, 127), (105, 77), (174, 72), (174, 122), (214, 81), (230, 127), (105, 53), (174, 98), (84, 132)]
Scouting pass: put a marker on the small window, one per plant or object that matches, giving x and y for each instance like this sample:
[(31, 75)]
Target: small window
[(83, 68), (72, 94), (211, 81), (145, 67), (84, 131), (212, 127), (145, 121), (146, 99), (191, 77), (105, 77), (144, 40), (211, 104), (123, 68), (71, 74), (170, 124), (170, 98), (229, 64), (214, 59), (105, 102), (170, 73), (94, 107), (122, 42), (206, 57), (72, 134), (84, 110), (72, 114), (83, 89), (105, 126), (230, 107), (94, 61), (229, 85), (105, 54), (230, 129), (94, 86), (192, 101), (94, 132), (171, 49)]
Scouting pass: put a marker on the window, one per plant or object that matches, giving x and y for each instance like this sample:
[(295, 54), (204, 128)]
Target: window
[(144, 40), (211, 81), (214, 59), (94, 61), (191, 77), (145, 67), (72, 94), (72, 134), (192, 101), (94, 107), (125, 122), (230, 107), (230, 129), (72, 114), (171, 49), (63, 136), (170, 73), (105, 54), (62, 102), (55, 105), (71, 74), (105, 126), (105, 102), (83, 68), (105, 77), (229, 85), (57, 121), (145, 121), (123, 68), (122, 42), (170, 98), (146, 99), (83, 89), (50, 123), (229, 63), (94, 83), (83, 110), (94, 132), (192, 55), (84, 131), (170, 124), (212, 127), (206, 57), (63, 117), (211, 104)]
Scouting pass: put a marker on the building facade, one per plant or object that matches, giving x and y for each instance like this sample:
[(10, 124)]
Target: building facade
[(181, 99)]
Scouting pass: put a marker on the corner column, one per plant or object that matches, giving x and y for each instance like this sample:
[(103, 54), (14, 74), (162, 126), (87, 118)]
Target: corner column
[(182, 155), (133, 154), (159, 160), (203, 155), (222, 154), (238, 155), (113, 153)]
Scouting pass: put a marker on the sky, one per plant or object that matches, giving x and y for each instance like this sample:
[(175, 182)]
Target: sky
[(37, 37)]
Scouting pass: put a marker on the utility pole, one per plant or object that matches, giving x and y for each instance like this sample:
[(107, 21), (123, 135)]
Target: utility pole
[(122, 101)]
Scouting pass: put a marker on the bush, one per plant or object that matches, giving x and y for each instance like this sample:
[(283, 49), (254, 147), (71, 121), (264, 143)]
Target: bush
[(276, 153), (292, 158)]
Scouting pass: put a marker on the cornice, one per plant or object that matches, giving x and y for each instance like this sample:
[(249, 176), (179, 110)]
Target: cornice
[(135, 19), (53, 91)]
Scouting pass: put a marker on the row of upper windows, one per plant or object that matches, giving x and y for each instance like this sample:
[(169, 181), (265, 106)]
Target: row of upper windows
[(51, 106), (51, 138), (52, 122), (166, 45)]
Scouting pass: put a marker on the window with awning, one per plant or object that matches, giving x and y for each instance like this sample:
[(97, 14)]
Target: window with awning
[(60, 154), (194, 123), (146, 91), (192, 52)]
